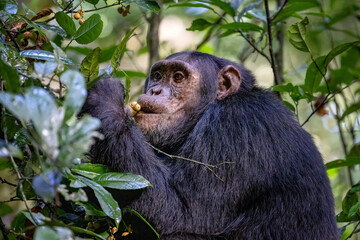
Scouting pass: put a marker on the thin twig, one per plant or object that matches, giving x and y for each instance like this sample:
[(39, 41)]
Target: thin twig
[(208, 166), (280, 9), (6, 182), (268, 23), (254, 46)]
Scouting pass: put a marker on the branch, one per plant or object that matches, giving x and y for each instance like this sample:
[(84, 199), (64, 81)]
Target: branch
[(4, 230), (268, 23), (6, 182), (210, 167), (280, 9), (254, 46)]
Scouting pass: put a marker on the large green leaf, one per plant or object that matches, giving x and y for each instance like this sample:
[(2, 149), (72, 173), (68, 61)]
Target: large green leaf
[(349, 162), (76, 92), (297, 35), (199, 25), (89, 30), (314, 76), (90, 65), (107, 202), (90, 170), (120, 50), (122, 181), (293, 7), (10, 76), (45, 56), (66, 23), (244, 27)]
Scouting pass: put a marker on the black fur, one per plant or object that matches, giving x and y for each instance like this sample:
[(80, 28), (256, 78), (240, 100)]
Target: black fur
[(275, 187)]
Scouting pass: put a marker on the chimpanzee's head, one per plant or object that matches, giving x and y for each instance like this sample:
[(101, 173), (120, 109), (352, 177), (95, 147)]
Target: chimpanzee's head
[(180, 88)]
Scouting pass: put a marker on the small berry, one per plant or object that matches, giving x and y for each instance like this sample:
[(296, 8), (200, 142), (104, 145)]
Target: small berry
[(77, 15), (81, 21)]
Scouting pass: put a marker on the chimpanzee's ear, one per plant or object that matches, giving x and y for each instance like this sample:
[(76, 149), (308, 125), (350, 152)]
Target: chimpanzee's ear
[(229, 80)]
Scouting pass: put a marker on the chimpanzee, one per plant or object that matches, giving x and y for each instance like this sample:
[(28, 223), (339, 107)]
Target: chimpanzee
[(258, 174)]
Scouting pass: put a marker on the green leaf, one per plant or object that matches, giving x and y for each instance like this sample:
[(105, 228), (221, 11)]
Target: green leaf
[(90, 65), (353, 108), (350, 161), (84, 231), (91, 209), (90, 170), (244, 27), (122, 181), (44, 55), (66, 23), (53, 28), (45, 233), (289, 105), (58, 55), (5, 209), (10, 76), (107, 202), (313, 75), (9, 6), (44, 69), (147, 5), (94, 2), (354, 210), (76, 92), (199, 25), (283, 88), (293, 7), (120, 50), (89, 30), (338, 50), (95, 80), (224, 6), (105, 56), (297, 35)]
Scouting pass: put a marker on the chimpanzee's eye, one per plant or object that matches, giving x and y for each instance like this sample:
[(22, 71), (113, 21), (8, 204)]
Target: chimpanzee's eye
[(157, 76), (178, 77)]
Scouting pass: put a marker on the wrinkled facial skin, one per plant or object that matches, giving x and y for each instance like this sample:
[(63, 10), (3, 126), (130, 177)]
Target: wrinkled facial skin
[(173, 91)]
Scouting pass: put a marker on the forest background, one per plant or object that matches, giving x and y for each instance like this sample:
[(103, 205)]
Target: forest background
[(308, 51)]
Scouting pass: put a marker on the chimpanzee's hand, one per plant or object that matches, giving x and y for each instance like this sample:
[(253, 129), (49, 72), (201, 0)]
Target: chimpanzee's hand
[(104, 98)]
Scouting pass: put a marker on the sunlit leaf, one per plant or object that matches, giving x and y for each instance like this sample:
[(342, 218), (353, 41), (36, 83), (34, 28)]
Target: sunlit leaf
[(75, 94), (38, 217), (89, 30), (122, 181), (9, 6), (45, 233), (90, 170), (44, 55), (44, 69)]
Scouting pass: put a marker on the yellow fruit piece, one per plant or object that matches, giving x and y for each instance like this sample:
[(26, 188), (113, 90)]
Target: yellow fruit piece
[(77, 15), (81, 21)]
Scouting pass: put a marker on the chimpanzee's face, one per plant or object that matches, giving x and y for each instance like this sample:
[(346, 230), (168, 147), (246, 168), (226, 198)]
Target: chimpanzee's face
[(173, 91)]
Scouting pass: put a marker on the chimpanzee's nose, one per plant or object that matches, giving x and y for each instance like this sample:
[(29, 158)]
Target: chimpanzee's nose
[(155, 91)]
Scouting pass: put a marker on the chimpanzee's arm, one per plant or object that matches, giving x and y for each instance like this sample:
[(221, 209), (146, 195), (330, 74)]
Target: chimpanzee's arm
[(125, 150)]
